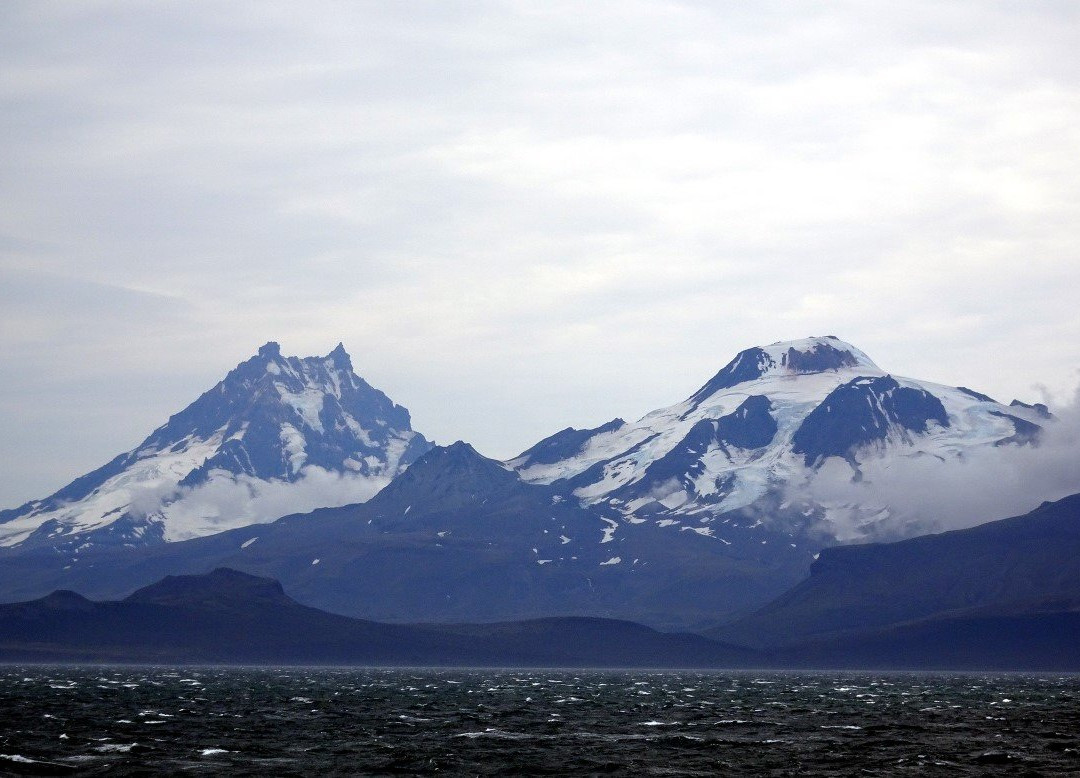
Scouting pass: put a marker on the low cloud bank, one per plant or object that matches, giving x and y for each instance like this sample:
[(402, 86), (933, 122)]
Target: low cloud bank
[(926, 494), (222, 504)]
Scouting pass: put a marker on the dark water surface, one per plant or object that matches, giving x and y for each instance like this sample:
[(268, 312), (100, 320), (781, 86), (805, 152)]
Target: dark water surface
[(296, 721)]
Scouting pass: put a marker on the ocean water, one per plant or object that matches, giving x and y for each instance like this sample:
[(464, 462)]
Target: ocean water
[(300, 721)]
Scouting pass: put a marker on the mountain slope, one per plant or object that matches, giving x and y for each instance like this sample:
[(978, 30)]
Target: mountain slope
[(456, 537), (228, 616), (692, 515), (1016, 568), (747, 448), (273, 424), (1036, 639)]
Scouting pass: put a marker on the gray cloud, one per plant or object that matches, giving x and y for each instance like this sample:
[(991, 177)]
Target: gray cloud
[(517, 216)]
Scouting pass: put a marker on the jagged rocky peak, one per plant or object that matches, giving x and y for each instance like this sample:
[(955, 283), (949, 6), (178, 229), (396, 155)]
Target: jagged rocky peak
[(277, 415), (340, 357), (271, 419), (304, 384)]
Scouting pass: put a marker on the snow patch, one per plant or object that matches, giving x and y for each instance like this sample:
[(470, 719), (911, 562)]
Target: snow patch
[(295, 446), (308, 404), (703, 531), (609, 531)]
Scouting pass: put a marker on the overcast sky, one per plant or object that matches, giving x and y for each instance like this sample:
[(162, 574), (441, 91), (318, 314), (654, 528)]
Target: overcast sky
[(522, 216)]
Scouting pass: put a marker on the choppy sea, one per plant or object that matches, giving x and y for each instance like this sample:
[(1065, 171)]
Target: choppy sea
[(299, 721)]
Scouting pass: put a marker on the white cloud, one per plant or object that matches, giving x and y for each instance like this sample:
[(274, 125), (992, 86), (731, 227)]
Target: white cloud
[(930, 495), (519, 217), (224, 503)]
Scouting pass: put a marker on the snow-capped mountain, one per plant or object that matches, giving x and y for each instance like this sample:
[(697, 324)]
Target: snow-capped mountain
[(765, 432), (277, 435), (695, 513)]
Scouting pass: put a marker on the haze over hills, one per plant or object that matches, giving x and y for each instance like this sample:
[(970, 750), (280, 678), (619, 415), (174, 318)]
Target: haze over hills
[(275, 434), (1020, 565), (228, 616), (1005, 594)]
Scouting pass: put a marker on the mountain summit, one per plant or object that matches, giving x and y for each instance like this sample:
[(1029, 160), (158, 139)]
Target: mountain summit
[(809, 355), (771, 425), (277, 434)]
